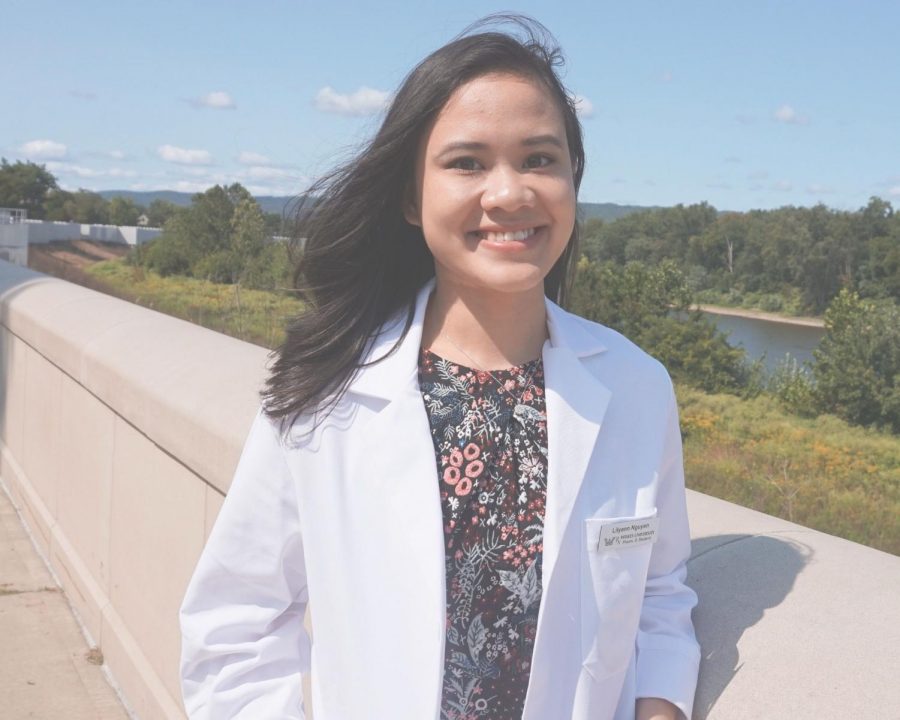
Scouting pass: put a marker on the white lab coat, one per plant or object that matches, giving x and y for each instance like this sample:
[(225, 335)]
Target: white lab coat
[(348, 518)]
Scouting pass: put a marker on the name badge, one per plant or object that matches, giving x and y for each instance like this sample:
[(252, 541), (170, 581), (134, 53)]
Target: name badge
[(625, 533)]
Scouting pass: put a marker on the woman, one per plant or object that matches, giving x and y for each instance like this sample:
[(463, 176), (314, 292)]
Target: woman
[(479, 495)]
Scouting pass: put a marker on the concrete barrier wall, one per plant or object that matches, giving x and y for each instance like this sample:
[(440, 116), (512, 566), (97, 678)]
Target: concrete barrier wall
[(38, 231), (120, 429), (14, 243)]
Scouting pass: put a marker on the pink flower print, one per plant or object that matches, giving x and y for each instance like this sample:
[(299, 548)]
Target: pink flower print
[(464, 487), (474, 468), (471, 451), (482, 377), (456, 457), (510, 385), (451, 475)]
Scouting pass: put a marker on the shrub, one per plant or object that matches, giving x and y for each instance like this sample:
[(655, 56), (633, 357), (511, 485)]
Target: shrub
[(857, 368)]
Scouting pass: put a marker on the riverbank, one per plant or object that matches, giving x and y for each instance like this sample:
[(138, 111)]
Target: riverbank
[(816, 322)]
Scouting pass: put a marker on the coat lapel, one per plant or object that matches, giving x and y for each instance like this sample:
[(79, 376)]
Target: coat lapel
[(576, 404)]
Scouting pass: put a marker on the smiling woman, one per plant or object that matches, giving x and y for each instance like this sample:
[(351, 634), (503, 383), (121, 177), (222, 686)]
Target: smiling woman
[(447, 466), (495, 198)]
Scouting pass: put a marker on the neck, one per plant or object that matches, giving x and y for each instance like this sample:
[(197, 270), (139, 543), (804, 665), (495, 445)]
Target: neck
[(490, 331)]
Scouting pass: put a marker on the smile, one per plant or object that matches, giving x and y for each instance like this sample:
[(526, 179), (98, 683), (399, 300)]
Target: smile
[(502, 237)]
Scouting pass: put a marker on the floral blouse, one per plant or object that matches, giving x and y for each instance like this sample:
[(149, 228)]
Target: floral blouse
[(491, 449)]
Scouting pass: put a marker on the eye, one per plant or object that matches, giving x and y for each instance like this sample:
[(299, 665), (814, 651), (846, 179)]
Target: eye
[(465, 164), (538, 160)]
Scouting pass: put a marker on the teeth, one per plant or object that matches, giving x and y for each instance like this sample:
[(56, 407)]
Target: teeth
[(508, 236)]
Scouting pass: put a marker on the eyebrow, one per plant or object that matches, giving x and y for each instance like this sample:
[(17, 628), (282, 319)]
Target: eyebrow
[(527, 142)]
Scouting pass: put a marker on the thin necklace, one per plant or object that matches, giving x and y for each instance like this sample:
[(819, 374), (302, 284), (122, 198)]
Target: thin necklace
[(502, 386)]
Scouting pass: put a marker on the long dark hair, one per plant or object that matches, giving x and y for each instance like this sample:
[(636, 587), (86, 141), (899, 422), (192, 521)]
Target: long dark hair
[(362, 262)]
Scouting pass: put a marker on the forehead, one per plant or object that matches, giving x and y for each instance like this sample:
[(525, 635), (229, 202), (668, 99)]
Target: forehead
[(498, 103)]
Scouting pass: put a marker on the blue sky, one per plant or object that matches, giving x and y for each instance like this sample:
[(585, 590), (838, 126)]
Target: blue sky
[(753, 104)]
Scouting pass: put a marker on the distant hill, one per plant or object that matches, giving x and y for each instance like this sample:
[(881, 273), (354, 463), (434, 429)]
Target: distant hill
[(272, 204), (611, 211)]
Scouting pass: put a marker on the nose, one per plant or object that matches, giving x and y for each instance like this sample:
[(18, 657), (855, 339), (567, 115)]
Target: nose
[(506, 189)]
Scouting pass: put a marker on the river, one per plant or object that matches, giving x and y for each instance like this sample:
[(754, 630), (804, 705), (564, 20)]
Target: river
[(769, 338)]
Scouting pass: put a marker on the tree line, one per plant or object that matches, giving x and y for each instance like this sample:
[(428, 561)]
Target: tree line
[(792, 258), (35, 189)]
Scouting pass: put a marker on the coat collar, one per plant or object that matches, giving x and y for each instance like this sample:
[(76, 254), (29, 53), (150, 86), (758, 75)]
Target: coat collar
[(394, 367)]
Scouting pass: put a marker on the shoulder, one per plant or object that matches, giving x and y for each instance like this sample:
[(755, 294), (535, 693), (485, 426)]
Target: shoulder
[(623, 367)]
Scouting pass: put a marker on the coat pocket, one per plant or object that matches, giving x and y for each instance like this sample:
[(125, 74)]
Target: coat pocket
[(612, 593)]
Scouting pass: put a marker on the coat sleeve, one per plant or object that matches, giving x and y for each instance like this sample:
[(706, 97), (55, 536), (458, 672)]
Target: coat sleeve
[(668, 655), (244, 646)]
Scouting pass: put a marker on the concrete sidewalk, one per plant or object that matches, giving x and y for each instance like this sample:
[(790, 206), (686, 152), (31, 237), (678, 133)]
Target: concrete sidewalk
[(47, 669)]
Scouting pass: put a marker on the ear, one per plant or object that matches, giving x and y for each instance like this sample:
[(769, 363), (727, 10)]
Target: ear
[(411, 208)]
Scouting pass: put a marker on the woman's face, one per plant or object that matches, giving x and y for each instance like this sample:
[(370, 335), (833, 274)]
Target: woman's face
[(494, 191)]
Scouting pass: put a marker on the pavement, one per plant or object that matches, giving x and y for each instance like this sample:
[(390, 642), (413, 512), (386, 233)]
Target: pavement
[(48, 671)]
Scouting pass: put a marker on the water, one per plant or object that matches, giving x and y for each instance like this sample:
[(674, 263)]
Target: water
[(769, 338)]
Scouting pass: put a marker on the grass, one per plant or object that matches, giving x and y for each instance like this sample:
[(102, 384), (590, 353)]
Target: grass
[(822, 472), (253, 315)]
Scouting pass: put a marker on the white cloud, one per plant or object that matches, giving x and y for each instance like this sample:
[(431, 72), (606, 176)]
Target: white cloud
[(183, 156), (365, 101), (218, 100), (44, 149), (584, 107), (894, 191), (786, 114), (666, 76), (818, 189), (191, 186), (86, 172), (266, 173), (783, 186), (252, 158), (116, 154)]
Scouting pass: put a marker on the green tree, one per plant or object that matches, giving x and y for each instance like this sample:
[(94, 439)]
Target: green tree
[(85, 206), (248, 230), (123, 211), (650, 305), (25, 185), (857, 364), (171, 253), (159, 212), (59, 205), (217, 237)]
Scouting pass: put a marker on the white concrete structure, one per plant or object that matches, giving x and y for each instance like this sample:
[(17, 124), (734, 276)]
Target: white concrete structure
[(14, 243), (12, 215), (120, 429), (40, 231)]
